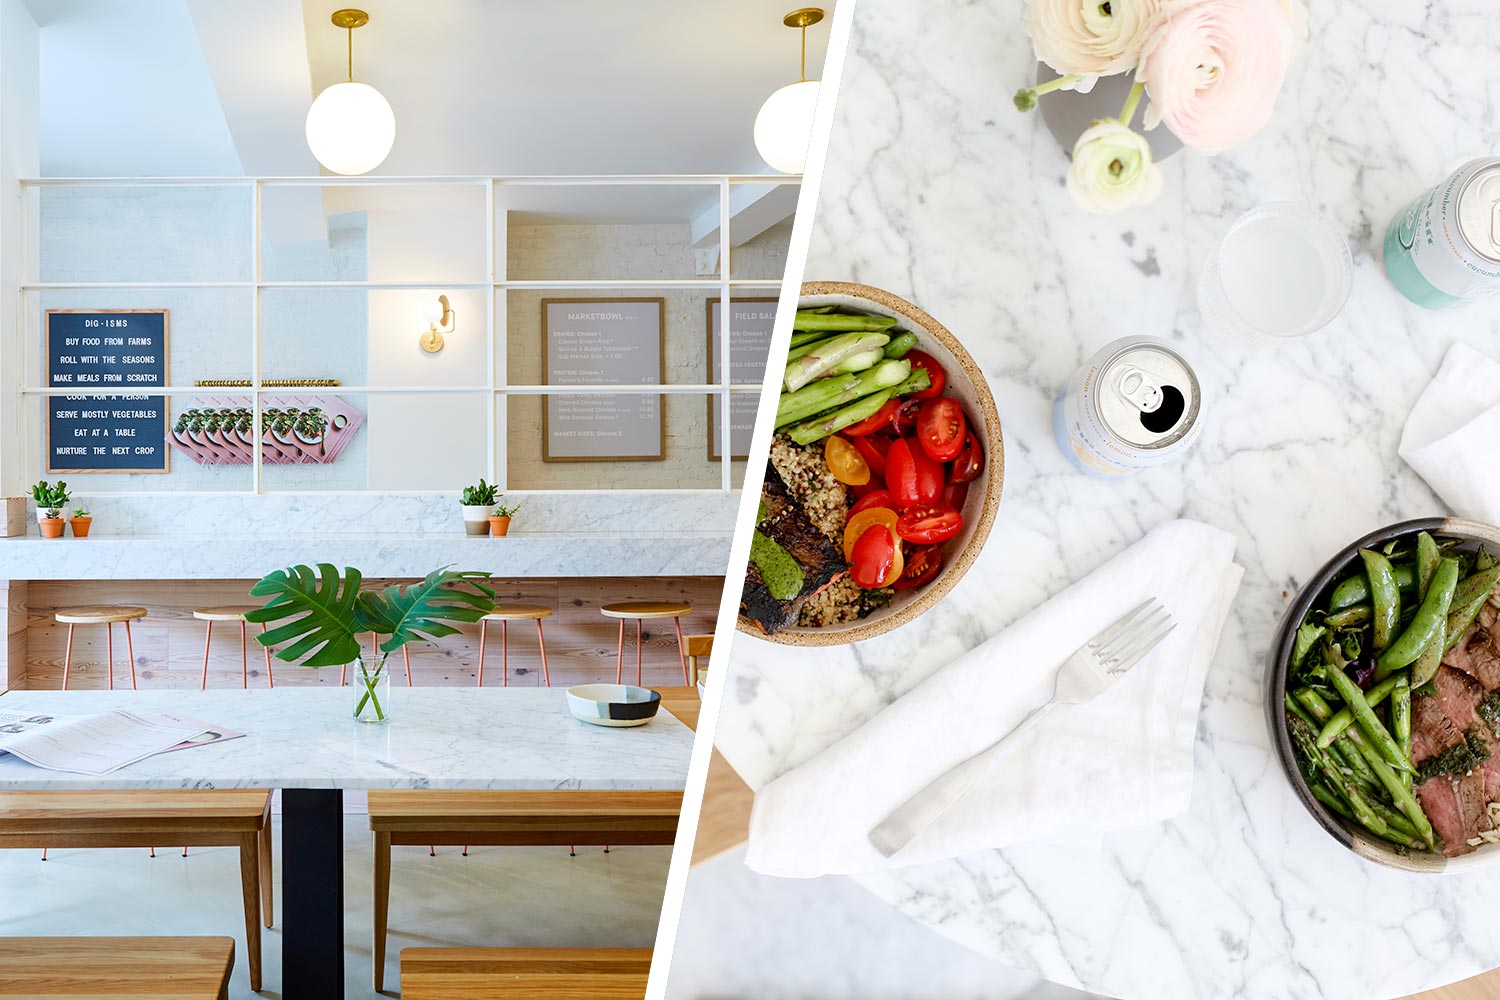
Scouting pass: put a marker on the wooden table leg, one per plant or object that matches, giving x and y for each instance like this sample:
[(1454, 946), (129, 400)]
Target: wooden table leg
[(312, 893)]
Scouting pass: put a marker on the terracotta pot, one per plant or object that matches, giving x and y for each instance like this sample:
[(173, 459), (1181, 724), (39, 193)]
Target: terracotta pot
[(80, 526), (499, 525), (52, 527)]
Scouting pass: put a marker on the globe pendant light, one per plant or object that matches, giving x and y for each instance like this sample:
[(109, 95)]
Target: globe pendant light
[(350, 127), (783, 127)]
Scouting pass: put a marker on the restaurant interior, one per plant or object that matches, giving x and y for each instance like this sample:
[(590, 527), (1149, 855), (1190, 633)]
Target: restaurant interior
[(496, 331)]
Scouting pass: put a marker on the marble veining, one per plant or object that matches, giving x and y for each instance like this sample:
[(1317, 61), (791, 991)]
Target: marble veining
[(506, 738), (936, 189), (388, 554)]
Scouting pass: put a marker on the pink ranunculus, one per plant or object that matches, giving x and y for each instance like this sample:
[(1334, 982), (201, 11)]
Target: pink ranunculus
[(1214, 69)]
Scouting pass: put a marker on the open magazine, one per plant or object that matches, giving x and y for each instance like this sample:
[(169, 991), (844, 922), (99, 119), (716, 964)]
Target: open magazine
[(99, 744)]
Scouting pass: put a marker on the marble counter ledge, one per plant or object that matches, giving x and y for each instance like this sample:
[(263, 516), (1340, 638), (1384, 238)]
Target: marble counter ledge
[(384, 554)]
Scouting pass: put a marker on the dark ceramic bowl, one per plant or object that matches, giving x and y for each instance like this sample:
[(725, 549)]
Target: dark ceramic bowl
[(1317, 589)]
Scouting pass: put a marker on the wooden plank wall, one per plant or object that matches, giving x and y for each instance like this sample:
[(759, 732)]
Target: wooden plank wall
[(169, 643)]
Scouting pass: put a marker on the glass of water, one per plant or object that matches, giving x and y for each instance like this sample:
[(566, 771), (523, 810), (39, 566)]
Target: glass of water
[(1281, 271)]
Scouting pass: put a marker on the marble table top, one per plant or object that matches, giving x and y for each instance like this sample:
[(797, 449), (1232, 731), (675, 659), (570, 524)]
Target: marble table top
[(939, 191), (229, 556), (450, 738)]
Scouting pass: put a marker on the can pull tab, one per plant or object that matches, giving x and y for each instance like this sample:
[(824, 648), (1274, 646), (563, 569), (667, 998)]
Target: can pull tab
[(1136, 386)]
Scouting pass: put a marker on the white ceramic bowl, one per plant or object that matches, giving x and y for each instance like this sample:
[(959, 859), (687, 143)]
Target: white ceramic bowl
[(967, 384), (617, 705)]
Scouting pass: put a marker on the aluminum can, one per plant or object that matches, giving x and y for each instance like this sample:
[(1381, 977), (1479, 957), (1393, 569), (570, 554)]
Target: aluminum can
[(1443, 249), (1133, 405)]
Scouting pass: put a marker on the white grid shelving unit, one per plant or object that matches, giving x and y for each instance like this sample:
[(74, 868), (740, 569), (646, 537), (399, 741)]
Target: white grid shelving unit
[(495, 389)]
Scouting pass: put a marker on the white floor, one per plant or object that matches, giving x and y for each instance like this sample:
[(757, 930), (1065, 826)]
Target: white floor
[(744, 936), (497, 896)]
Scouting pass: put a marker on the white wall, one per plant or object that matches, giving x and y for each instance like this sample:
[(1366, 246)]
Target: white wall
[(19, 157)]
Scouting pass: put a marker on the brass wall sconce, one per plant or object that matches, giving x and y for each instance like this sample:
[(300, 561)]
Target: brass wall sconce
[(441, 319)]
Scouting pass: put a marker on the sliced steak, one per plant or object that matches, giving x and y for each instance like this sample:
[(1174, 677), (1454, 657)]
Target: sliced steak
[(818, 556), (1431, 731), (1471, 805), (1458, 695), (1439, 798), (1478, 655)]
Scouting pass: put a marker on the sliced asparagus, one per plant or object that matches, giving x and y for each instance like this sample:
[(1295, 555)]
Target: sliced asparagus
[(829, 355), (819, 428), (829, 393), (900, 344), (859, 362), (842, 322)]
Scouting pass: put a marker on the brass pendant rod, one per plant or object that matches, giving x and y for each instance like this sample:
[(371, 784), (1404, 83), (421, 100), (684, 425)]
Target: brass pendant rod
[(804, 55), (351, 53)]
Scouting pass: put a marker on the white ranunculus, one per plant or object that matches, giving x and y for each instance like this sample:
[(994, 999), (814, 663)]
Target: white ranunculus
[(1112, 169), (1092, 37)]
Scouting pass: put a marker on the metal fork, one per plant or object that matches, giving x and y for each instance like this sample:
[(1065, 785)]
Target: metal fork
[(1085, 675)]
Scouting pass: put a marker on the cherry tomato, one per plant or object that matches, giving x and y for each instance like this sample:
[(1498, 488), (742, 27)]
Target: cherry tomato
[(969, 463), (898, 566), (954, 495), (874, 454), (941, 429), (871, 424), (845, 462), (904, 421), (929, 525), (874, 557), (922, 567), (928, 363), (913, 478), (879, 498), (862, 522), (875, 485)]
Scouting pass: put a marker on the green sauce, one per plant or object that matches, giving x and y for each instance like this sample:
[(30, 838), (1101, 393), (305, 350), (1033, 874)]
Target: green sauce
[(783, 576)]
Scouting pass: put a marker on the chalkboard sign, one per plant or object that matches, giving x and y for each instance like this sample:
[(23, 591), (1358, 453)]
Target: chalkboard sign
[(604, 342), (106, 349), (753, 321)]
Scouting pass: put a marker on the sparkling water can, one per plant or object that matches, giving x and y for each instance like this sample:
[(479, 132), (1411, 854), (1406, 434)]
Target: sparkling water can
[(1133, 405), (1444, 248)]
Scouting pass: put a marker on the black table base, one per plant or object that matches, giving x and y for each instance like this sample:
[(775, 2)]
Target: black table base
[(312, 880)]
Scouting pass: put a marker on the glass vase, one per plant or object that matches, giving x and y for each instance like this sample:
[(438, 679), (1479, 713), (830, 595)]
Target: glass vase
[(372, 693)]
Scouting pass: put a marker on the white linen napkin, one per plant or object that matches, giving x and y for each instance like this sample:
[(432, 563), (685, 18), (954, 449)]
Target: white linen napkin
[(1122, 760), (1452, 437)]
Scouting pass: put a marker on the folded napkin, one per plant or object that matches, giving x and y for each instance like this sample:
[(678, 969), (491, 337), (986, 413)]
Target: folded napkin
[(1124, 759), (1452, 437)]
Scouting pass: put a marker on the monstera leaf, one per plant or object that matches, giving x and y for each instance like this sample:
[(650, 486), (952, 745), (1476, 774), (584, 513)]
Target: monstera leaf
[(317, 611), (423, 610)]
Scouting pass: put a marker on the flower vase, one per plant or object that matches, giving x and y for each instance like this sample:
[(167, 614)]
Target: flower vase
[(372, 693), (1068, 113)]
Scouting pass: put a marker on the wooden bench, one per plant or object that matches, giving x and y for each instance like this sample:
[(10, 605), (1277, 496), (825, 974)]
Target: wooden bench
[(85, 968), (193, 818), (524, 973)]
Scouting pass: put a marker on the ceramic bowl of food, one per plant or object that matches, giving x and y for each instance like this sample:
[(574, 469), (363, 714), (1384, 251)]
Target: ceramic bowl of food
[(1454, 740), (936, 454), (614, 705)]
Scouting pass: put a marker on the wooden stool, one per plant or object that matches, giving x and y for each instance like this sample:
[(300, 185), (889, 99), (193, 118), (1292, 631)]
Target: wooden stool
[(93, 968), (524, 973), (106, 616), (506, 615), (211, 615), (697, 646), (640, 610), (200, 817)]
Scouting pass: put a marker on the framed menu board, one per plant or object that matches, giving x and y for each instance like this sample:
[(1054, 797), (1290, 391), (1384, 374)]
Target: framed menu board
[(751, 326), (604, 342), (106, 349)]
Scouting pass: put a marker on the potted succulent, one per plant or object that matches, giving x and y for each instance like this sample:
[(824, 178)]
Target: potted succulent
[(319, 616), (80, 522), (478, 504), (50, 501), (500, 519)]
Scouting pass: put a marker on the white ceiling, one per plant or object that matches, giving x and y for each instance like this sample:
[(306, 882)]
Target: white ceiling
[(478, 86)]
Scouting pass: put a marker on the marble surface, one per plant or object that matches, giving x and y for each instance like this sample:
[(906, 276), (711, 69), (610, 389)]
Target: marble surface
[(938, 190), (506, 738), (386, 554)]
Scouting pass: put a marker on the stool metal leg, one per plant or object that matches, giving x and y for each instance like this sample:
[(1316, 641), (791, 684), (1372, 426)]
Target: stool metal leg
[(681, 655), (504, 653), (68, 658), (406, 655), (637, 652), (620, 655), (244, 665), (208, 635), (542, 644), (109, 646), (484, 634), (270, 681), (130, 650)]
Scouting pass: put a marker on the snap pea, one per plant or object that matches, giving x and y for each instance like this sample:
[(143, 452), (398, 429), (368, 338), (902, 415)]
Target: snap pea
[(1401, 721), (1385, 595), (900, 344), (1427, 664), (1341, 720), (1357, 615), (1467, 600), (1365, 717), (1356, 589), (1428, 557), (1430, 622)]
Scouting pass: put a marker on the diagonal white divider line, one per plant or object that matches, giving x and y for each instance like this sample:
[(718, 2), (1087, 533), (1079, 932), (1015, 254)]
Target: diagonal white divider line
[(755, 466)]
